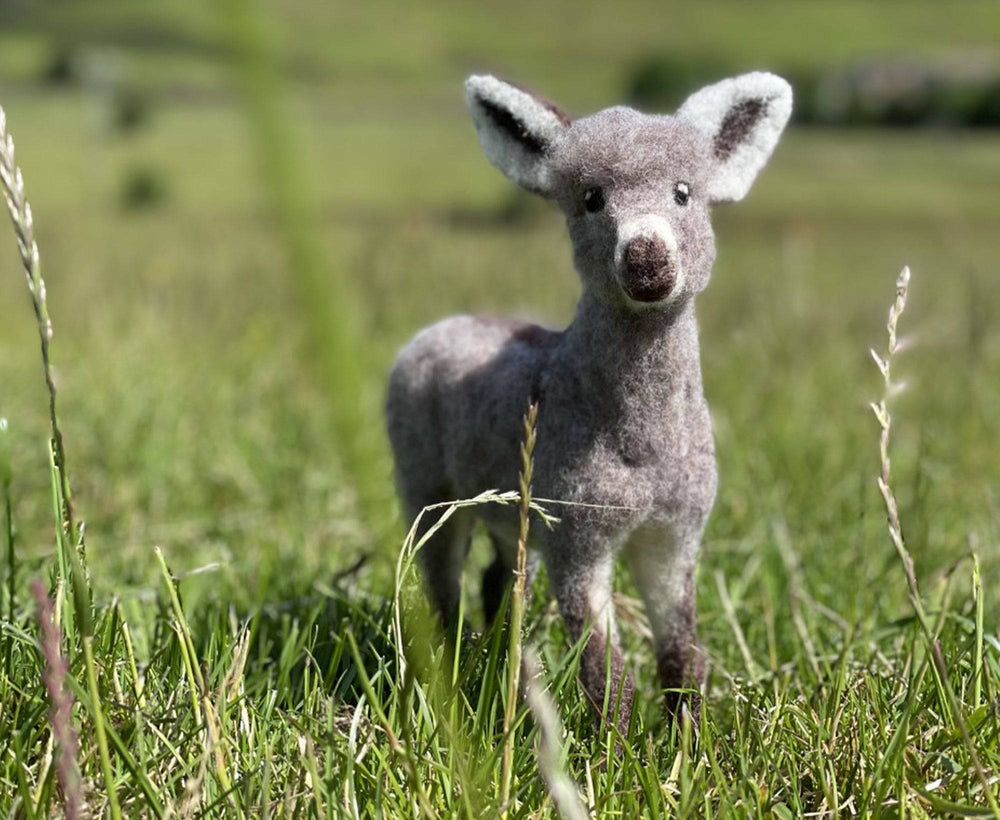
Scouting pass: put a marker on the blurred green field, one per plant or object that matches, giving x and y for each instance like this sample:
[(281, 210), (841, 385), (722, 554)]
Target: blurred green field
[(182, 347), (195, 394)]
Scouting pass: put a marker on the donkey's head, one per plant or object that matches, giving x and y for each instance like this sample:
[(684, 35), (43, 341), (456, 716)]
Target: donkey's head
[(636, 188)]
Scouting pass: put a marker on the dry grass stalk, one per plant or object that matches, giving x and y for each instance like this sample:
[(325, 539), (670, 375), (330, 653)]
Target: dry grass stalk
[(60, 716), (884, 480), (19, 208)]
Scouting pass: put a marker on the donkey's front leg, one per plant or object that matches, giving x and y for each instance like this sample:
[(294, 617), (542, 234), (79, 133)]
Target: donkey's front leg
[(583, 590), (663, 565)]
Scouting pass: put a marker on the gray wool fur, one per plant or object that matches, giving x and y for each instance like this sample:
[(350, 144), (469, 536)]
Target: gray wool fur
[(623, 423)]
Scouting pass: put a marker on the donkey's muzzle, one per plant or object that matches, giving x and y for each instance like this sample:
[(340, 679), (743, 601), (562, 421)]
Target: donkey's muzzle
[(647, 273)]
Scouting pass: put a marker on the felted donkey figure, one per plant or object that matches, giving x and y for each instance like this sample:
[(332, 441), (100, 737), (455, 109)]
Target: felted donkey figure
[(623, 428)]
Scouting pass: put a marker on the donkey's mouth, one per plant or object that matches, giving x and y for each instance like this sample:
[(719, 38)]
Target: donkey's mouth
[(649, 291)]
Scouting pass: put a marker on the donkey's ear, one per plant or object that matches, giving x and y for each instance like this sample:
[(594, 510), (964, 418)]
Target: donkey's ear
[(744, 116), (516, 129)]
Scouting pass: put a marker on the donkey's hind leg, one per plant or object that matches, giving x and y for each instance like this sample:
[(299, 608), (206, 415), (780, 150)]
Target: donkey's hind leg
[(442, 556)]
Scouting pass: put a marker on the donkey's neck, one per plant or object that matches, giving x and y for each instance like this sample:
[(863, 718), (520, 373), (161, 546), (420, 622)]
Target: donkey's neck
[(632, 362)]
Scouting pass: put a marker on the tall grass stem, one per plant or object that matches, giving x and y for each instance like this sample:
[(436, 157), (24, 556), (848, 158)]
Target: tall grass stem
[(6, 479), (12, 182), (61, 713), (517, 599), (69, 535), (101, 732)]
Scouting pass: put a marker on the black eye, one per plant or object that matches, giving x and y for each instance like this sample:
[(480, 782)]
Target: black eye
[(682, 193), (593, 200)]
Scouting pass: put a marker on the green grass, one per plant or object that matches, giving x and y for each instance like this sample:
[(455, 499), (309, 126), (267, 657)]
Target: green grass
[(203, 413)]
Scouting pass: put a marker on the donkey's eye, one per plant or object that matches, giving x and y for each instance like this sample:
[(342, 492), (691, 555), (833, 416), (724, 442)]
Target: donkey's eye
[(682, 193), (593, 200)]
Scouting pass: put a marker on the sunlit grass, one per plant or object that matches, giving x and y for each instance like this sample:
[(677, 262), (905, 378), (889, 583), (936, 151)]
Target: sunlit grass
[(259, 675)]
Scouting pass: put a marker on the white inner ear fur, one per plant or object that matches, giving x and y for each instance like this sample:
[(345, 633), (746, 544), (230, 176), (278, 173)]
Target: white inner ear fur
[(523, 166), (707, 109), (651, 225)]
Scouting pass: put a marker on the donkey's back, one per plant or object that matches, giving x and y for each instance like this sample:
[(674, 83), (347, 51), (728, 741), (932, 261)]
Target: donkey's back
[(457, 394)]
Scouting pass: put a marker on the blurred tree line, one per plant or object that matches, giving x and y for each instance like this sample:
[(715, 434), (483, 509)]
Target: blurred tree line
[(958, 90)]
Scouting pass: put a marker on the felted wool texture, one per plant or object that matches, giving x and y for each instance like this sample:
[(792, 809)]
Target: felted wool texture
[(624, 431)]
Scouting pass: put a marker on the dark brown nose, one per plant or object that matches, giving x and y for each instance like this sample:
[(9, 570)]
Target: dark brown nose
[(648, 274)]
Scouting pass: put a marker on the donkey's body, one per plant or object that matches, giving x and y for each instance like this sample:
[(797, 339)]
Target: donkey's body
[(624, 432)]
